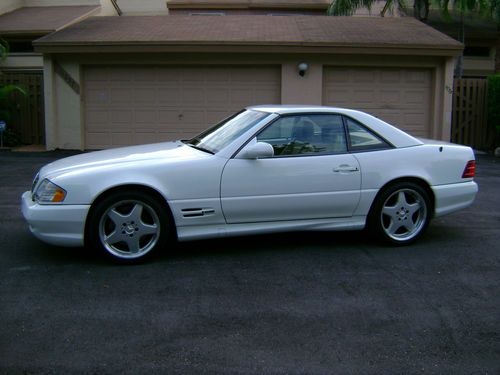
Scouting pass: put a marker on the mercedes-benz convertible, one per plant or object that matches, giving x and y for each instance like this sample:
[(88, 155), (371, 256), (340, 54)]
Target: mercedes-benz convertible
[(264, 169)]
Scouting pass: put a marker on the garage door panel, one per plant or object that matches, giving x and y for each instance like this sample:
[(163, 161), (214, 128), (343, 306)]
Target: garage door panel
[(169, 96), (193, 96), (146, 117), (121, 95), (97, 118), (100, 139), (120, 75), (97, 97), (264, 96), (218, 97), (418, 78), (400, 96), (390, 76), (168, 116), (390, 96), (364, 76), (418, 98), (121, 139), (145, 95), (217, 76), (215, 116)]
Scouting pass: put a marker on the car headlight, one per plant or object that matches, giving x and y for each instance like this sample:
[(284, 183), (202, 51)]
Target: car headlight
[(48, 192)]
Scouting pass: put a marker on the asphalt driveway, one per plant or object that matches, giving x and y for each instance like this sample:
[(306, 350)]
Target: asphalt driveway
[(298, 303)]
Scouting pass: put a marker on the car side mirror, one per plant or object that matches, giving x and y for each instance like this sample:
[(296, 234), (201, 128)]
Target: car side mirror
[(257, 150)]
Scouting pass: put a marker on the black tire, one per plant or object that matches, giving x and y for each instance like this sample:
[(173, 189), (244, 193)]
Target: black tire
[(400, 214), (128, 227)]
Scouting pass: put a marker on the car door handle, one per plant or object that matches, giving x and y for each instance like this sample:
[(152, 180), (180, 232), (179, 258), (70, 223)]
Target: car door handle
[(345, 168)]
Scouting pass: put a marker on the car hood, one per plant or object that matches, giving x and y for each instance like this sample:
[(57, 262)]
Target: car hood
[(168, 151)]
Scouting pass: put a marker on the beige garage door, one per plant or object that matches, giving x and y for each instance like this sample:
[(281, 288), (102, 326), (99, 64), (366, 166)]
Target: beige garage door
[(401, 97), (134, 105)]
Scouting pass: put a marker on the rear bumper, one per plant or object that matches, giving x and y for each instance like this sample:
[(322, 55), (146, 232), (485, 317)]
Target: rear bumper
[(453, 197), (61, 225)]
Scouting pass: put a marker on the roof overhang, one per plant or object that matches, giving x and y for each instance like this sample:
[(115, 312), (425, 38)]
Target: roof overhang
[(43, 20), (255, 34)]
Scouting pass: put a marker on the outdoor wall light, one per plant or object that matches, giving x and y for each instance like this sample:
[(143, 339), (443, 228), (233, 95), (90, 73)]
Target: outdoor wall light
[(302, 67)]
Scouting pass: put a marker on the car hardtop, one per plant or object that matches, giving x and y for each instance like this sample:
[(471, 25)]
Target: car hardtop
[(393, 135), (294, 109)]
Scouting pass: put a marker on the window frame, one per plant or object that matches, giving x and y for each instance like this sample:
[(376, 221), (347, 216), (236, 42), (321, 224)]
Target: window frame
[(354, 149), (299, 114)]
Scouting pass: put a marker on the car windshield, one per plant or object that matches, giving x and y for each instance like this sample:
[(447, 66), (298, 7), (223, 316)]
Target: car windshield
[(222, 134)]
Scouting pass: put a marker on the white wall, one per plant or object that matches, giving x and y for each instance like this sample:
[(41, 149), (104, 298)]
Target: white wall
[(63, 125), (24, 61), (44, 3), (10, 5), (136, 7)]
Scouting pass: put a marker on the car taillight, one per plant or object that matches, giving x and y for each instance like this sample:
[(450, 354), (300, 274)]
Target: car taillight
[(470, 169)]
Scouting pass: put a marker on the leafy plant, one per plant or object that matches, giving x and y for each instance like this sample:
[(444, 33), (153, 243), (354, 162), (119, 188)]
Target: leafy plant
[(4, 49), (486, 8), (7, 103), (7, 92), (11, 138)]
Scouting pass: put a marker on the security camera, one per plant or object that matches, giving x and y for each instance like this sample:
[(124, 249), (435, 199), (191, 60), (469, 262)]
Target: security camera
[(302, 69)]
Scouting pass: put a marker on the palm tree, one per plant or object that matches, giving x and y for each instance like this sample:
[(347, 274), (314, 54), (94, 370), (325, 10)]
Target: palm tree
[(484, 8), (488, 8), (7, 92), (349, 7)]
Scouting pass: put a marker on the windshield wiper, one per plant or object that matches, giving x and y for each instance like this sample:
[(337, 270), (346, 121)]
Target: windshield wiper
[(200, 148)]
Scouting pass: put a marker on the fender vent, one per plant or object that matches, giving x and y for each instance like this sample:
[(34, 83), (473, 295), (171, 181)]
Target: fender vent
[(197, 212)]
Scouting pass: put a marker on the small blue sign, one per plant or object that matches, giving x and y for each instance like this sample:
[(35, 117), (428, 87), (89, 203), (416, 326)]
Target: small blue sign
[(3, 126)]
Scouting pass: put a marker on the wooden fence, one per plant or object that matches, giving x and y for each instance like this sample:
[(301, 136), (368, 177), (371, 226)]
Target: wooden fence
[(469, 118), (27, 115)]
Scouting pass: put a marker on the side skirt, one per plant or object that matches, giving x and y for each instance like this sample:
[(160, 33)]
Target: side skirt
[(188, 233)]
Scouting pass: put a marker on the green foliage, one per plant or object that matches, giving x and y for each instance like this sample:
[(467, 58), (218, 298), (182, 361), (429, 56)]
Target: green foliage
[(7, 103), (484, 8), (7, 92), (349, 7), (4, 49), (494, 102), (11, 138)]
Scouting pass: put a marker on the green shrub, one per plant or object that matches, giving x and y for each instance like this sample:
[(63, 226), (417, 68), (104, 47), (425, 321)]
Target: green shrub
[(11, 138)]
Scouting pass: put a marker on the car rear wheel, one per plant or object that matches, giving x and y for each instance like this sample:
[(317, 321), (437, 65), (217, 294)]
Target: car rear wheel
[(401, 213), (129, 226)]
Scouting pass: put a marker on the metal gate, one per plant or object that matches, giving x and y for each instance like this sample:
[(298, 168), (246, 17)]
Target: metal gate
[(27, 115)]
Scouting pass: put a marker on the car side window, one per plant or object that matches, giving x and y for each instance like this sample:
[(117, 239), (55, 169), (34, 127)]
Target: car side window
[(361, 139), (305, 134)]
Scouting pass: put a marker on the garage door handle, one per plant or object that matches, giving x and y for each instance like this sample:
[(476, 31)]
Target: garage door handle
[(344, 168)]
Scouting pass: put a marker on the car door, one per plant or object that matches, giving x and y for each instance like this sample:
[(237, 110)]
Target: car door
[(310, 176)]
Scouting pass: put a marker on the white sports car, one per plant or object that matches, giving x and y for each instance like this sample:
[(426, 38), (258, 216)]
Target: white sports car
[(265, 169)]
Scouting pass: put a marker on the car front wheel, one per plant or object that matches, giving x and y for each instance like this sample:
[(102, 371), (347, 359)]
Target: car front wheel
[(401, 213), (128, 226)]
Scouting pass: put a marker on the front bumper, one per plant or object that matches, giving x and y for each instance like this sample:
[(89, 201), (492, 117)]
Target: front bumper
[(61, 225)]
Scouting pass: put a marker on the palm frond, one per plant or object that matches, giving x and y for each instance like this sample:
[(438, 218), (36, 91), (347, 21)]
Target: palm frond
[(4, 49), (347, 7), (6, 91)]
